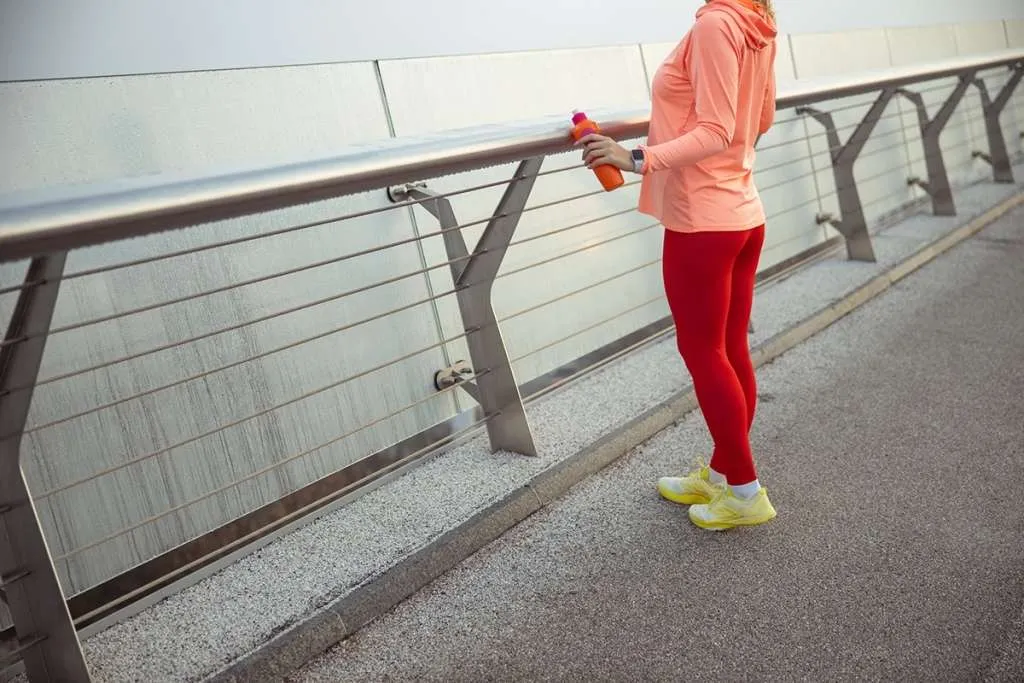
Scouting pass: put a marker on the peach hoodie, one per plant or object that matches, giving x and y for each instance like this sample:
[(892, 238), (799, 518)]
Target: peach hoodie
[(711, 99)]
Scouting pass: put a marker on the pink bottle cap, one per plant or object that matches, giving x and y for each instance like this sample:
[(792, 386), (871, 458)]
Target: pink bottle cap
[(578, 116)]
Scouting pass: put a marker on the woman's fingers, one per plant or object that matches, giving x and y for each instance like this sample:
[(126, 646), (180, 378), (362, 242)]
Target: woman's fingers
[(598, 150), (593, 137), (602, 147), (597, 158), (601, 143)]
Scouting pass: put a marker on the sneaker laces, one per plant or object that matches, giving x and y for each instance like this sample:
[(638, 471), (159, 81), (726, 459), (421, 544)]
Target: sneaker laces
[(696, 468), (721, 492)]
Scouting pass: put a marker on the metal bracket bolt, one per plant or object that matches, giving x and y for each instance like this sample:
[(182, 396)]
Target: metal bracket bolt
[(448, 377), (401, 193), (828, 218), (914, 181)]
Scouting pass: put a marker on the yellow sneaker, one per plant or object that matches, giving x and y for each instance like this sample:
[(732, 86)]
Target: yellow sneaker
[(727, 511), (692, 489)]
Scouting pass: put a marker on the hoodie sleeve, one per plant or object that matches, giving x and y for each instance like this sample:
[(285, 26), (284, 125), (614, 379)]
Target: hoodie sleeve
[(714, 67), (768, 106)]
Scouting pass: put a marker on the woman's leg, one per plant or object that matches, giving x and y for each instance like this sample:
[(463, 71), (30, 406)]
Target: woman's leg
[(698, 271), (737, 344)]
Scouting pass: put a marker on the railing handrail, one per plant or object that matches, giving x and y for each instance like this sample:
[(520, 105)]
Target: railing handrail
[(61, 218)]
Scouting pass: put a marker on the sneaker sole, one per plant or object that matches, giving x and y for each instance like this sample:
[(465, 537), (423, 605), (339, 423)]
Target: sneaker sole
[(684, 498), (724, 526)]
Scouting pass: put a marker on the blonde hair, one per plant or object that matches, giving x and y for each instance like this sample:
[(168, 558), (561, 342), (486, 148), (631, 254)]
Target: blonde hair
[(767, 6)]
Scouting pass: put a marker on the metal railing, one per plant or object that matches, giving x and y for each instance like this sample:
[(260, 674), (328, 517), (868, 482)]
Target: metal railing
[(192, 363)]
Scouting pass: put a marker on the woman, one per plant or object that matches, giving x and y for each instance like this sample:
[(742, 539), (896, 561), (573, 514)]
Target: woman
[(712, 98)]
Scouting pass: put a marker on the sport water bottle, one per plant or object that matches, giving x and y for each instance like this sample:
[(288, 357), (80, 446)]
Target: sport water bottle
[(610, 176)]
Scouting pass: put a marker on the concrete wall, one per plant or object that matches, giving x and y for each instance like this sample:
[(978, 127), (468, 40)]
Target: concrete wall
[(68, 131), (46, 39)]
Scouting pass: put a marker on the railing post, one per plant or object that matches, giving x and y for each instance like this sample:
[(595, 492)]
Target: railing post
[(852, 224), (47, 640), (997, 156), (495, 387), (936, 185)]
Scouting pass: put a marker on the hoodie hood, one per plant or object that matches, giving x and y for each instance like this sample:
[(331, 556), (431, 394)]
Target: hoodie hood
[(758, 29)]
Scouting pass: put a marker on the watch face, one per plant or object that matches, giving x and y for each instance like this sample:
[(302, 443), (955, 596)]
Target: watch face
[(638, 155)]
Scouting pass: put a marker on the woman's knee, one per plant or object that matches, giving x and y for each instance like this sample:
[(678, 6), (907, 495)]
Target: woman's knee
[(738, 351), (703, 357)]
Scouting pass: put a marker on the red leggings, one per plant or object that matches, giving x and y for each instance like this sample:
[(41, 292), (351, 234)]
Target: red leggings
[(709, 282)]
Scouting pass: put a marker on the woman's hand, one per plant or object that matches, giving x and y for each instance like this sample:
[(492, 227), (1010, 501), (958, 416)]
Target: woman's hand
[(599, 150)]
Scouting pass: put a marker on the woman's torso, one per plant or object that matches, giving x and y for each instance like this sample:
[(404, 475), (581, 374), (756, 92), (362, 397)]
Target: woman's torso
[(717, 193)]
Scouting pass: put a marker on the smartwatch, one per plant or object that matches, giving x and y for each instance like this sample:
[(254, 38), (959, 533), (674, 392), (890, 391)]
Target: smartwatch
[(638, 160)]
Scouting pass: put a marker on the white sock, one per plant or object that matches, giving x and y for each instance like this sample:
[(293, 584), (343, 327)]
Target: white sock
[(715, 477), (746, 491)]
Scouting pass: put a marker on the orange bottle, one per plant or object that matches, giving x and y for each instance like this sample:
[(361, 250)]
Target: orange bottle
[(610, 176)]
